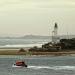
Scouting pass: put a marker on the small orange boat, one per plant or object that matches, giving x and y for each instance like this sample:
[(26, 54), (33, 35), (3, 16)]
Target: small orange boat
[(20, 63)]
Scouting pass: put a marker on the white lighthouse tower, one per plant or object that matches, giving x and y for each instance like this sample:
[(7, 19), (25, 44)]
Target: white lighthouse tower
[(55, 34)]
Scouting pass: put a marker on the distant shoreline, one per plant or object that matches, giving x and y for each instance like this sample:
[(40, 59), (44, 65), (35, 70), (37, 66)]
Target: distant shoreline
[(17, 52)]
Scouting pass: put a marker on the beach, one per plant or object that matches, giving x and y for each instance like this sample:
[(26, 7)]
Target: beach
[(13, 51), (13, 46)]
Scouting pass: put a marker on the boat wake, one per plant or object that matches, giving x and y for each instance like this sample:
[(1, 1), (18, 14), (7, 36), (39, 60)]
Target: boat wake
[(16, 66), (53, 67), (49, 67)]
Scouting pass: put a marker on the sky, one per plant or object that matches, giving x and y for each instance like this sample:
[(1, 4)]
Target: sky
[(36, 17)]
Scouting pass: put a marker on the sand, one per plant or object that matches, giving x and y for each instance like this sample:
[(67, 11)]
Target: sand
[(18, 52)]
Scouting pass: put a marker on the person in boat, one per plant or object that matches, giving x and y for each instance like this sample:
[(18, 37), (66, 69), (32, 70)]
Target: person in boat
[(21, 63)]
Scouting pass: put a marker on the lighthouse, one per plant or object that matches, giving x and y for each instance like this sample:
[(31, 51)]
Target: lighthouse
[(55, 34)]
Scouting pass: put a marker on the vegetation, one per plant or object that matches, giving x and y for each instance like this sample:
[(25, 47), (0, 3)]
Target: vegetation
[(62, 45)]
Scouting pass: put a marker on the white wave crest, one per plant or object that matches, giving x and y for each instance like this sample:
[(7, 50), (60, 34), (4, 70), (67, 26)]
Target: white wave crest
[(22, 45)]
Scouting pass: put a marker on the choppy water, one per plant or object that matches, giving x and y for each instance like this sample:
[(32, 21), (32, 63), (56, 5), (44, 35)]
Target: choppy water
[(38, 65), (17, 43)]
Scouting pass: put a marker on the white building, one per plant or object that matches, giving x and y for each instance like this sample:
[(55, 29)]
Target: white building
[(55, 37)]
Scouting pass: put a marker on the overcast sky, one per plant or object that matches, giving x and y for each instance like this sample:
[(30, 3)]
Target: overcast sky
[(36, 17)]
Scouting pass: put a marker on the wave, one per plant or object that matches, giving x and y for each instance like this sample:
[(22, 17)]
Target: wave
[(21, 45), (51, 67)]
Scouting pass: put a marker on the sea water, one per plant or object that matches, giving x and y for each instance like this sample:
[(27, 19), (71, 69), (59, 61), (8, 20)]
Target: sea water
[(38, 65), (19, 43)]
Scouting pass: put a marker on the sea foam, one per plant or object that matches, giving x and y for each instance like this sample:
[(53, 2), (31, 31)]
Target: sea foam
[(49, 67)]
